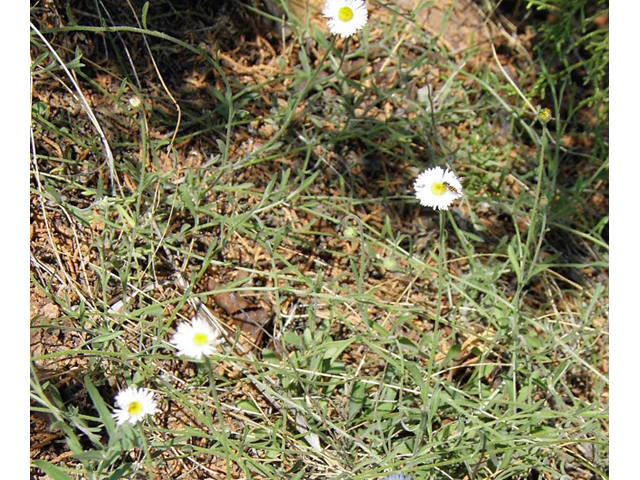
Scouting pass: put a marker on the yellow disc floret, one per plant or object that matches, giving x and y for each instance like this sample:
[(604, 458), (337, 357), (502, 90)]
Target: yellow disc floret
[(200, 339), (135, 408), (438, 188), (345, 14)]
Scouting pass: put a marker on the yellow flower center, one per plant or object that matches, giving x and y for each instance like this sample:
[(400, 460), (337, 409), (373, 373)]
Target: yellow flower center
[(200, 339), (438, 188), (135, 408), (345, 14)]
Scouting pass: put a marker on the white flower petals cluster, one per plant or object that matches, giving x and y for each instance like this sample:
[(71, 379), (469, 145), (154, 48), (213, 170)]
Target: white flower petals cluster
[(196, 339), (134, 404), (437, 188), (346, 17)]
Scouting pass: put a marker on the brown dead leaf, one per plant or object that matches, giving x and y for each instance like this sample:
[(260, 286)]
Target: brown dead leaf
[(251, 319)]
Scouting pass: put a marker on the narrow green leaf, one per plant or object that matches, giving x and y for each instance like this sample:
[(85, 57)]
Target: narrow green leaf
[(356, 400), (145, 12), (334, 348), (513, 259), (54, 193), (188, 202), (120, 472), (54, 472), (247, 405), (416, 375), (269, 356), (453, 352), (101, 407), (71, 18), (405, 342)]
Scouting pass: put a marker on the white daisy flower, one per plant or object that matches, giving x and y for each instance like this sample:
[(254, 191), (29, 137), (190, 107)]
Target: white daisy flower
[(346, 17), (437, 188), (195, 339), (134, 404)]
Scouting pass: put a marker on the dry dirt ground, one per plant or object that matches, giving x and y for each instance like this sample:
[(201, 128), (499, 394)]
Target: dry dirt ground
[(62, 251)]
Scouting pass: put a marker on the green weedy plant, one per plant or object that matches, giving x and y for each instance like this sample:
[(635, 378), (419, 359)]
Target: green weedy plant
[(401, 342), (573, 49)]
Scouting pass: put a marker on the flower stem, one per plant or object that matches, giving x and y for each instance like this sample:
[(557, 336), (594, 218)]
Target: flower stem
[(536, 206), (442, 261), (216, 402), (527, 265), (147, 451)]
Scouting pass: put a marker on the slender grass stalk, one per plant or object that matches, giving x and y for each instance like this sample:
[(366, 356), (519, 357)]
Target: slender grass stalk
[(146, 450)]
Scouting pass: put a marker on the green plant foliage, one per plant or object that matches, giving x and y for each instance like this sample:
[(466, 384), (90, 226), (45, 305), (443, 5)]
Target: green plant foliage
[(221, 162)]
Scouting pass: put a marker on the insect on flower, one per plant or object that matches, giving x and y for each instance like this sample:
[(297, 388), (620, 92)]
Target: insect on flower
[(438, 188), (450, 187)]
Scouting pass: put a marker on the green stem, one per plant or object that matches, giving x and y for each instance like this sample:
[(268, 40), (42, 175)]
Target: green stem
[(442, 261), (527, 265), (216, 402), (534, 213), (147, 452)]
